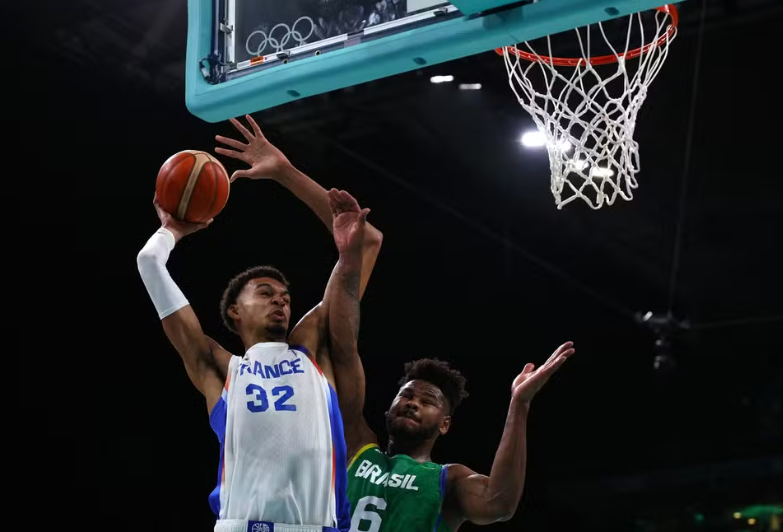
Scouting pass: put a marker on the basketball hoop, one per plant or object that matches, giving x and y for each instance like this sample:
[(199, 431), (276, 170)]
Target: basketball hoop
[(577, 108)]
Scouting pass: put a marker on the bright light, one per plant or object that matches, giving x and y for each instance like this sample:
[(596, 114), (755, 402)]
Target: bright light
[(575, 165), (601, 172), (752, 521), (533, 139), (441, 79), (737, 515), (598, 172), (470, 86), (565, 146), (537, 139)]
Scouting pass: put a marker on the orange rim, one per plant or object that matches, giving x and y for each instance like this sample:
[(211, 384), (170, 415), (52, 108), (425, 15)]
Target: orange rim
[(603, 59)]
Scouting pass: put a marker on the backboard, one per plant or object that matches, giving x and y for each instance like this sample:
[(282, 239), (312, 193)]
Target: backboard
[(248, 55)]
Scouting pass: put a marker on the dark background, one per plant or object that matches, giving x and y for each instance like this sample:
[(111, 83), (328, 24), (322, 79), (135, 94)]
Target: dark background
[(478, 267)]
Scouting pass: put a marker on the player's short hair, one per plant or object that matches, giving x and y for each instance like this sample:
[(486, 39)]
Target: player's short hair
[(441, 374), (235, 286)]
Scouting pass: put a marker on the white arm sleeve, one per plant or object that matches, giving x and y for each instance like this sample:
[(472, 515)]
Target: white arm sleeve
[(151, 260)]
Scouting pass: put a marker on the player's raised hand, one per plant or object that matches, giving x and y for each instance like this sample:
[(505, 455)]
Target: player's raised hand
[(530, 381), (348, 222), (178, 228), (265, 160)]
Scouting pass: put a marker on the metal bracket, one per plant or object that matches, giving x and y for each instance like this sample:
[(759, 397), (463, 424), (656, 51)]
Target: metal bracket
[(353, 39), (213, 70)]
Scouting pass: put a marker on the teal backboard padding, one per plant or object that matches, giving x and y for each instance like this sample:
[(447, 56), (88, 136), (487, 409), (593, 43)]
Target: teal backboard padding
[(469, 7), (459, 36)]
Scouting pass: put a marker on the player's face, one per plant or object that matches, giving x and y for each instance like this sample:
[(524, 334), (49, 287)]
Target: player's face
[(265, 303), (419, 412)]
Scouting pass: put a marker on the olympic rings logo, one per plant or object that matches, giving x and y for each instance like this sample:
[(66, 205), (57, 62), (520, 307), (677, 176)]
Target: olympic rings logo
[(279, 41)]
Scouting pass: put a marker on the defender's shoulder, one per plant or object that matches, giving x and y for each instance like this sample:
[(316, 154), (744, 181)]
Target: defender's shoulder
[(371, 450)]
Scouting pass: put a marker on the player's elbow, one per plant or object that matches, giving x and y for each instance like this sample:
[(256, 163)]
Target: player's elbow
[(502, 509), (145, 259), (496, 515), (506, 514), (490, 515), (148, 259), (491, 509)]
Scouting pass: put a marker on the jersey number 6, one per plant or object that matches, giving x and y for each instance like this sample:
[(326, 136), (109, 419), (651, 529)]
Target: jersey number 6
[(364, 514), (260, 402)]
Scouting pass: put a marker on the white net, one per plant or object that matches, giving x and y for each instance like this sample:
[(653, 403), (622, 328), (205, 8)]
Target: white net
[(588, 117)]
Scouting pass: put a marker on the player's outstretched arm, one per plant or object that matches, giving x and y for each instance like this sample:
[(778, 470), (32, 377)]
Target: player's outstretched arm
[(268, 162), (312, 331), (483, 499), (205, 361), (342, 301)]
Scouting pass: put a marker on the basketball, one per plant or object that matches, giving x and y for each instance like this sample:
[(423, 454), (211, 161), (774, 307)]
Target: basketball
[(192, 186)]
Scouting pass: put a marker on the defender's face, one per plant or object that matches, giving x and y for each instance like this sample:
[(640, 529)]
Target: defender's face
[(264, 303), (418, 412)]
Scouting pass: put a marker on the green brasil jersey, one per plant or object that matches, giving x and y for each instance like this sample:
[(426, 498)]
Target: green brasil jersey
[(395, 493)]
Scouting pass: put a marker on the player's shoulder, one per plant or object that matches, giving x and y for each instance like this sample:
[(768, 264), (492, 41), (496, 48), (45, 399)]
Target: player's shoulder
[(310, 331), (300, 349), (370, 451), (221, 357), (457, 472), (312, 317)]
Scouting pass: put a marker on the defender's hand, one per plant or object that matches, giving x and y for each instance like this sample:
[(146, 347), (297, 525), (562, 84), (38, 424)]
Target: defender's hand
[(266, 161), (178, 228), (529, 382), (348, 222)]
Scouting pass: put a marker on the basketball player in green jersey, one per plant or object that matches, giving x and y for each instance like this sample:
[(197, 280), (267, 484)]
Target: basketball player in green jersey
[(401, 489)]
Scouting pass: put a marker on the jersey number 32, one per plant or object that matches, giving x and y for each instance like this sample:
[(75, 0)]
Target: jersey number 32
[(260, 399)]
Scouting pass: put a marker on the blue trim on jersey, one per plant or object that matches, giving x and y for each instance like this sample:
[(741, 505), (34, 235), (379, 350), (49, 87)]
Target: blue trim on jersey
[(444, 469), (340, 463), (302, 349), (443, 472), (217, 420)]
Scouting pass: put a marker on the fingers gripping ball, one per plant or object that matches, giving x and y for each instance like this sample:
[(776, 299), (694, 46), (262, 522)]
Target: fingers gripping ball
[(192, 186)]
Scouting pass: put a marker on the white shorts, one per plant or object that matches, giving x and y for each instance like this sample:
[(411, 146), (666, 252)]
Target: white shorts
[(238, 525)]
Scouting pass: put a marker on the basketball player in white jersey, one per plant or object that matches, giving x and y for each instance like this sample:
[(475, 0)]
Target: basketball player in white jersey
[(274, 409), (418, 415)]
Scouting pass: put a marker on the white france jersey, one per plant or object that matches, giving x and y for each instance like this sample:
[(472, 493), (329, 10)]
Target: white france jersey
[(282, 448)]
